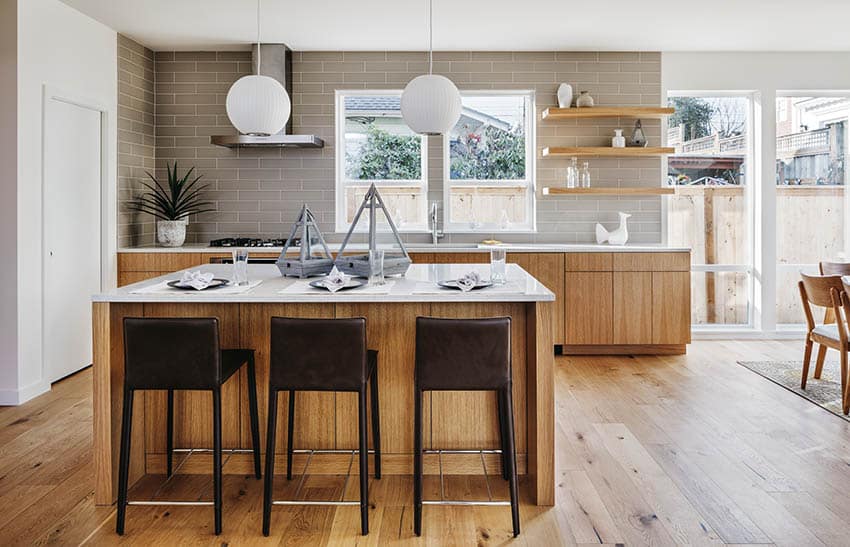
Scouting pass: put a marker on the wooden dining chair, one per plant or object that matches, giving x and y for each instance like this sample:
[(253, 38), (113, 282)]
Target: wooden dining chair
[(834, 268), (824, 291), (845, 302)]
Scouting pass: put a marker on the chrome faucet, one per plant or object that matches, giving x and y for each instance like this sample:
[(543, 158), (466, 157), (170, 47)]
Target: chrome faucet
[(436, 234)]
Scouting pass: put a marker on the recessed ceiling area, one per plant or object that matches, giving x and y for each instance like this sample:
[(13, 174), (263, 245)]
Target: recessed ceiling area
[(482, 25)]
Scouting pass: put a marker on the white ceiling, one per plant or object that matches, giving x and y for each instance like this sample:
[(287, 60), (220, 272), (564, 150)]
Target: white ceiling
[(499, 25)]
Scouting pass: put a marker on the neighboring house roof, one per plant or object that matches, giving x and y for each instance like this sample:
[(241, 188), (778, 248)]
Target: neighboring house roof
[(364, 105)]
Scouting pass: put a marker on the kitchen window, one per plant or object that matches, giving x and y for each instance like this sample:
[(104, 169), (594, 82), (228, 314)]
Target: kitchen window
[(374, 145), (488, 164)]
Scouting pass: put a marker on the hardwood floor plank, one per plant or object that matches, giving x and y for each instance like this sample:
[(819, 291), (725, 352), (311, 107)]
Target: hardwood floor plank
[(671, 507)]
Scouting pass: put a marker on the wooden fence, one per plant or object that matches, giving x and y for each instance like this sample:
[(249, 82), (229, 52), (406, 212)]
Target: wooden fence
[(713, 222)]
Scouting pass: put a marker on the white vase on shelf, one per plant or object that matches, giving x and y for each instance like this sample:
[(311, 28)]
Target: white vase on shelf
[(565, 95)]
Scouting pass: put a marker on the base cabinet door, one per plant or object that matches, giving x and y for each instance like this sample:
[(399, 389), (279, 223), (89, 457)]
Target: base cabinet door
[(589, 307), (671, 307), (632, 308)]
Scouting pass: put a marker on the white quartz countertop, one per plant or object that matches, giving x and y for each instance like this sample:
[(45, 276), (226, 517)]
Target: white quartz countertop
[(419, 285), (439, 248)]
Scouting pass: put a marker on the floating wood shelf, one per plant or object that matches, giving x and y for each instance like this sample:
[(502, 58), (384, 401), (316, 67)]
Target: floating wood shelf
[(611, 191), (555, 113), (606, 151)]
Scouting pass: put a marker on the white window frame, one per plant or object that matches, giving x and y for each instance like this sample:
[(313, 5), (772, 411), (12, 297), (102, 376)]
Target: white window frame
[(530, 173), (750, 196), (342, 183)]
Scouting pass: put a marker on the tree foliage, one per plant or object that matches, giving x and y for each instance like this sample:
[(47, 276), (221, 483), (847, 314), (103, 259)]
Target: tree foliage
[(694, 113), (492, 154), (385, 156)]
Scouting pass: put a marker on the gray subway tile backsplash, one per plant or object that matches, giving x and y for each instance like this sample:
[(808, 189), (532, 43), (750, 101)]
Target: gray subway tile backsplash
[(171, 102)]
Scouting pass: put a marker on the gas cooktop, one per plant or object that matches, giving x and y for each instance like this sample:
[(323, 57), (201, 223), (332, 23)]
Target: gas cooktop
[(251, 242)]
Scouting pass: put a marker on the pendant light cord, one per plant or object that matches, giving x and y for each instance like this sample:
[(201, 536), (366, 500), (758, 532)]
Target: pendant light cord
[(259, 49), (430, 36)]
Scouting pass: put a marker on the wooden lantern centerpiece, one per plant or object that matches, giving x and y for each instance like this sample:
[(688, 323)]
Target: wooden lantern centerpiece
[(358, 265), (306, 264)]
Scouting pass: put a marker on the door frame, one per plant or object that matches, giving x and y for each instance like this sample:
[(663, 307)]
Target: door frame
[(53, 93)]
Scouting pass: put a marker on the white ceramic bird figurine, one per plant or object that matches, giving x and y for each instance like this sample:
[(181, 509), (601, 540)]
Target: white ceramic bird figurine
[(618, 236)]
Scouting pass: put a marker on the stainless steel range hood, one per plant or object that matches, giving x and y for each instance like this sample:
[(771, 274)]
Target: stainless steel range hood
[(277, 63)]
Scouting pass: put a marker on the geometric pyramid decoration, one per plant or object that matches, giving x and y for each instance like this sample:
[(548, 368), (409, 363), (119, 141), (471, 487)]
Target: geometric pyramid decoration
[(306, 264), (394, 264)]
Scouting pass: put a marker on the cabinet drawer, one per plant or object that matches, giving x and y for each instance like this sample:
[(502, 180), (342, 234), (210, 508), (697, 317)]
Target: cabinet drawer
[(589, 262), (652, 262), (157, 262)]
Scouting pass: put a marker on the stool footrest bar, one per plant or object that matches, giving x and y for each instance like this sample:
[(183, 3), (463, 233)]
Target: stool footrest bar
[(463, 502), (166, 502), (319, 503)]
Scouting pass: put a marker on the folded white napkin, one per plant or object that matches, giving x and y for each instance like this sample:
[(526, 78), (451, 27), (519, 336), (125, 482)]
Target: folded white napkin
[(468, 281), (335, 280), (196, 279)]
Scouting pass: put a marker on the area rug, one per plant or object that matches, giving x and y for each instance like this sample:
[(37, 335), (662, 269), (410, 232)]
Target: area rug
[(826, 392)]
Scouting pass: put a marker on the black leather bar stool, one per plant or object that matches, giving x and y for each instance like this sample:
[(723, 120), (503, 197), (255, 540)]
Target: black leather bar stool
[(465, 355), (180, 354), (321, 355)]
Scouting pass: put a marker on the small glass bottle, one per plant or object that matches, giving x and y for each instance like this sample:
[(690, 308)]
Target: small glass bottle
[(584, 175), (572, 174)]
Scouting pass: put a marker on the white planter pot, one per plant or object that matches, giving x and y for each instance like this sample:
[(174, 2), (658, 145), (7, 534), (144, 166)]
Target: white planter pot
[(171, 233)]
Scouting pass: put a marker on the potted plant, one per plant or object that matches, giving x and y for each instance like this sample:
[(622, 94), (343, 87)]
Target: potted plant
[(173, 204)]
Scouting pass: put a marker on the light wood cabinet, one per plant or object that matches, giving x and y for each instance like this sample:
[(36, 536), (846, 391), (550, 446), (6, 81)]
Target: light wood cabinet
[(671, 308), (633, 306), (589, 308), (627, 303)]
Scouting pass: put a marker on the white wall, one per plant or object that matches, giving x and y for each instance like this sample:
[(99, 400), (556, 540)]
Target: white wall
[(762, 74), (70, 52)]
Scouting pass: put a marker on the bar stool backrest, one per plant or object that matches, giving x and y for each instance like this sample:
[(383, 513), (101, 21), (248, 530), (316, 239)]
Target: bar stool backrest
[(463, 354), (171, 353), (318, 354)]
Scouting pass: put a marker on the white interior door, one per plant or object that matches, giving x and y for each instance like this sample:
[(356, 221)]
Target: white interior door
[(72, 234)]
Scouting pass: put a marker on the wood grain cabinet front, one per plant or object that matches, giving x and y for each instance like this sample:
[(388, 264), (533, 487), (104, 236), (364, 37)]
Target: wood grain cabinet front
[(589, 308), (627, 303)]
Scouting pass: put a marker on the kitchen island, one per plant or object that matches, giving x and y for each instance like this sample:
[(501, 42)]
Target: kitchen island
[(457, 420)]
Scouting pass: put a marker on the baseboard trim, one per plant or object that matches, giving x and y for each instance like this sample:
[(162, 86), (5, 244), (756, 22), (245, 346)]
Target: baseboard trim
[(14, 397), (649, 349)]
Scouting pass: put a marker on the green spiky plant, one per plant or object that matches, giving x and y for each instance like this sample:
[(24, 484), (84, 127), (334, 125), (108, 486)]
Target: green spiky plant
[(181, 198)]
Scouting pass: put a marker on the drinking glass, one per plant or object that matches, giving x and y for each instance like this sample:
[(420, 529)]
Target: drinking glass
[(497, 266), (240, 267), (376, 267)]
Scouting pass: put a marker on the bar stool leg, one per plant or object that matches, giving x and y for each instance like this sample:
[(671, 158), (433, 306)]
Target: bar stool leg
[(255, 414), (169, 443), (268, 488), (217, 458), (507, 404), (376, 419), (502, 437), (290, 430), (417, 462), (364, 463), (124, 464)]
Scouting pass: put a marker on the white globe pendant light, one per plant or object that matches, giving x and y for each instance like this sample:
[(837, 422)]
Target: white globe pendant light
[(430, 104), (258, 105)]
